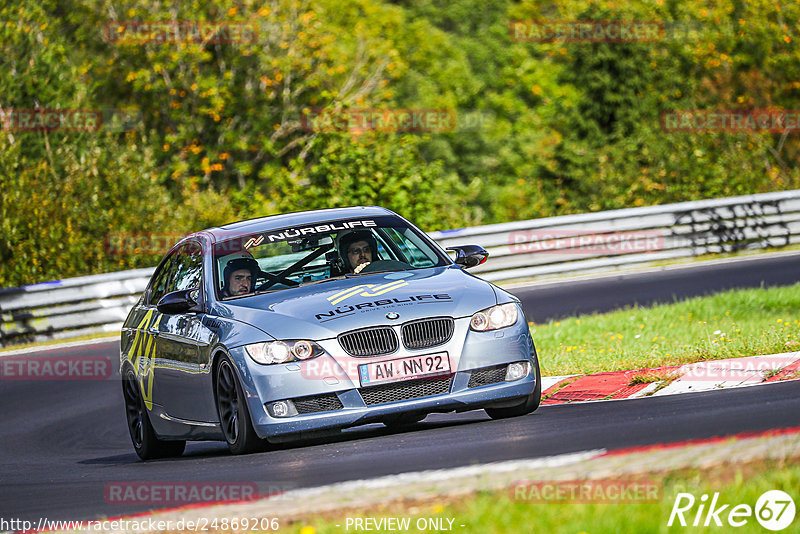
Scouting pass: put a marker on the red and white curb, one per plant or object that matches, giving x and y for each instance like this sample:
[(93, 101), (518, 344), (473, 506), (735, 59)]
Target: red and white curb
[(657, 381)]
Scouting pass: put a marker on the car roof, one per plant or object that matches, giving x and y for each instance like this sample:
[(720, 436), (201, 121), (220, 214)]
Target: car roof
[(299, 218)]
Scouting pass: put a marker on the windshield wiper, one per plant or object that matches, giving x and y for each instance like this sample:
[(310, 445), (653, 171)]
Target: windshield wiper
[(356, 275), (262, 291), (312, 282)]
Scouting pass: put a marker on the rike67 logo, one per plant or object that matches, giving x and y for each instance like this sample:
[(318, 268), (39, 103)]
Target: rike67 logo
[(774, 510)]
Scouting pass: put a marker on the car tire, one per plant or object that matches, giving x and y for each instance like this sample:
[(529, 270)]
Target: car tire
[(234, 417), (147, 445), (529, 405)]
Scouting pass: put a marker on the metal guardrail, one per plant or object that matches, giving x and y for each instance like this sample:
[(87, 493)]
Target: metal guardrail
[(69, 307), (583, 243), (609, 240)]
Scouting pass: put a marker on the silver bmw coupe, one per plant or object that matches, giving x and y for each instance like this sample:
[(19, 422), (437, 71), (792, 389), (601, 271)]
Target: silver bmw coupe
[(281, 327)]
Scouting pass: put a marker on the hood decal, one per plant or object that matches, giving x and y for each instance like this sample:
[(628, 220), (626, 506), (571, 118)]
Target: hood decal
[(350, 309), (371, 291)]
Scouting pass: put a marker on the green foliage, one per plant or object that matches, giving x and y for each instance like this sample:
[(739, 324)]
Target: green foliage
[(217, 130), (64, 193), (371, 169)]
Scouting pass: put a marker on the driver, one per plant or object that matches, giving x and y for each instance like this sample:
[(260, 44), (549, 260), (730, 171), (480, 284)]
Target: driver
[(357, 249), (239, 276)]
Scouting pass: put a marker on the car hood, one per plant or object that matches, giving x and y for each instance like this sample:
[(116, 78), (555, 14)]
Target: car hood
[(322, 311)]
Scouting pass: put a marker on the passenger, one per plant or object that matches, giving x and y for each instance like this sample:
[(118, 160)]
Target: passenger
[(357, 249), (239, 276)]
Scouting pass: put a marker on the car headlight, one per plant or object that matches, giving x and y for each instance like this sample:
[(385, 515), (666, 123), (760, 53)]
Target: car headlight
[(499, 316), (283, 351)]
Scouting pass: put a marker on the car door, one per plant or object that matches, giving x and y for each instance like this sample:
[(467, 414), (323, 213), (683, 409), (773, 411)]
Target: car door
[(182, 375), (142, 331)]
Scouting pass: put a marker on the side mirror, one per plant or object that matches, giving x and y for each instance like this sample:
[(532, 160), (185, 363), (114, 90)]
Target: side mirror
[(469, 255), (179, 302)]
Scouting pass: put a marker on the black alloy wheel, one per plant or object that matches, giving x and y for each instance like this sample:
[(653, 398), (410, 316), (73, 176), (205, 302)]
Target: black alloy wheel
[(143, 437), (234, 417)]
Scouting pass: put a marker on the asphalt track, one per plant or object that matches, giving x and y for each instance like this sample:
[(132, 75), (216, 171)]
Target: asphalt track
[(64, 441), (552, 301)]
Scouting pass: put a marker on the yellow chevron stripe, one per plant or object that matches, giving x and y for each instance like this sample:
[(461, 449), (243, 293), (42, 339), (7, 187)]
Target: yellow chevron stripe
[(380, 290), (341, 295)]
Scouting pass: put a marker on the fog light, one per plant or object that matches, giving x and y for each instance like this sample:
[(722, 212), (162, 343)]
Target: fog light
[(284, 408), (517, 370), (280, 408)]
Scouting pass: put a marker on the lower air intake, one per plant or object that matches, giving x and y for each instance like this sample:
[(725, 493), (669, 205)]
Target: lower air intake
[(487, 375), (400, 391), (318, 403)]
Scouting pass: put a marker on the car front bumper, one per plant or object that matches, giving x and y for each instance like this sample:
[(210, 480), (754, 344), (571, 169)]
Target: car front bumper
[(335, 373)]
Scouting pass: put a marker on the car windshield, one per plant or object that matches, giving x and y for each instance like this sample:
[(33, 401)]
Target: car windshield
[(317, 252)]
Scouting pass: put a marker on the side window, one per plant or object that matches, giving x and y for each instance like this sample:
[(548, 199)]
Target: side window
[(161, 280), (416, 252), (188, 271)]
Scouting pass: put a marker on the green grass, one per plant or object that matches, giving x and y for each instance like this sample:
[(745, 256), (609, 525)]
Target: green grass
[(648, 377), (726, 325), (496, 512)]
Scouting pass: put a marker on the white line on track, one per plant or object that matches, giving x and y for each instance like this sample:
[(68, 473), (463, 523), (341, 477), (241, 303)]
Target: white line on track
[(59, 346), (435, 476)]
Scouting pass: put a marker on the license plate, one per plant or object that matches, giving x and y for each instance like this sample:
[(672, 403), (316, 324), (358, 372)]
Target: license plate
[(404, 368)]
